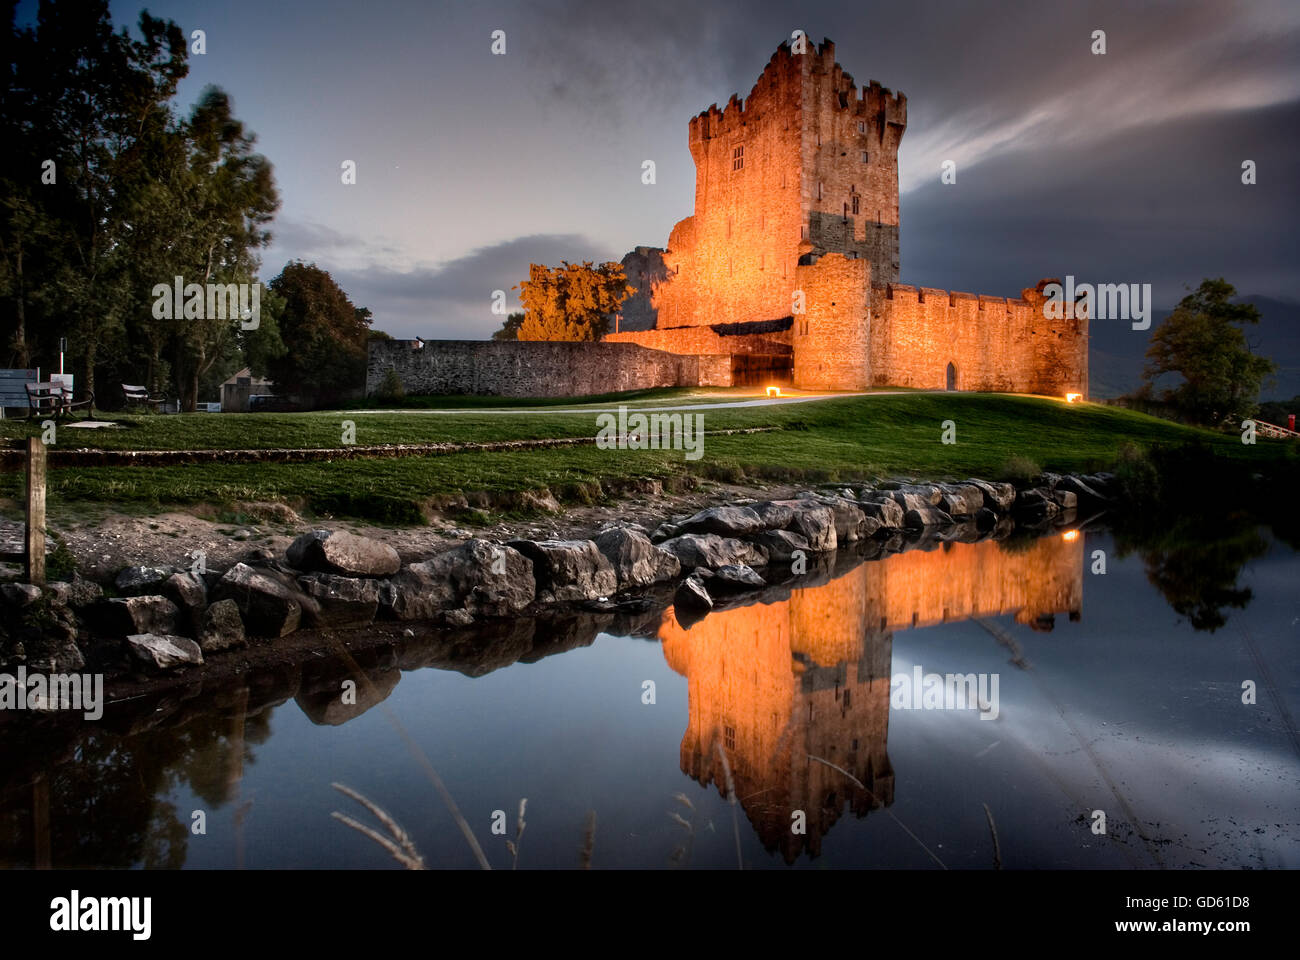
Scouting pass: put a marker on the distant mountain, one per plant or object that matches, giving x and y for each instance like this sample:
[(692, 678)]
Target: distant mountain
[(1116, 352)]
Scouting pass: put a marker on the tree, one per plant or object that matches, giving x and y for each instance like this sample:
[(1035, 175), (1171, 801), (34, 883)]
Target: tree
[(231, 196), (570, 302), (324, 335), (1204, 343), (92, 101), (510, 329)]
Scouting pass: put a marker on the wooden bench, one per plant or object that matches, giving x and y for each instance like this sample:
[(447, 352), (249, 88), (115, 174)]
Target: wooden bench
[(12, 392), (139, 395), (53, 399)]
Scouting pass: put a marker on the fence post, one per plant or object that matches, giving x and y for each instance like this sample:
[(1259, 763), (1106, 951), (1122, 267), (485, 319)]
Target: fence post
[(35, 511)]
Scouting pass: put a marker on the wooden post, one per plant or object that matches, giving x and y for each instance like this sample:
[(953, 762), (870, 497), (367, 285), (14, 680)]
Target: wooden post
[(35, 511)]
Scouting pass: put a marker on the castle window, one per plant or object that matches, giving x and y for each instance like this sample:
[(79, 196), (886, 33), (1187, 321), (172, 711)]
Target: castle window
[(729, 737), (738, 157), (864, 156), (819, 189), (856, 198), (862, 126)]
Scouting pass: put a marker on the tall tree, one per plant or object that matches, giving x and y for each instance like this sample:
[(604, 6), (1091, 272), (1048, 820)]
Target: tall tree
[(92, 100), (324, 334), (231, 197), (572, 301), (1203, 342)]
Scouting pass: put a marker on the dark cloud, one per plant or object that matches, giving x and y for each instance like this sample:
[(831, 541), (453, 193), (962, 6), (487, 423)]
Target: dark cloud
[(453, 300)]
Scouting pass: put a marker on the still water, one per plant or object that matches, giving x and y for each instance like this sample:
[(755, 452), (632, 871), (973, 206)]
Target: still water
[(1108, 699)]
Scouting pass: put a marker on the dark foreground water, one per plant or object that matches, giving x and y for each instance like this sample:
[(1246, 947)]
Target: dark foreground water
[(1116, 695)]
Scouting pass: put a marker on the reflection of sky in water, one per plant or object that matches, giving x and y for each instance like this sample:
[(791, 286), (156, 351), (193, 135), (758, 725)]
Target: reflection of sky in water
[(1153, 711)]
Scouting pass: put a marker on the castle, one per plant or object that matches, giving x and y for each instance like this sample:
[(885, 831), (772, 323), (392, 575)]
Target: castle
[(787, 273), (789, 266)]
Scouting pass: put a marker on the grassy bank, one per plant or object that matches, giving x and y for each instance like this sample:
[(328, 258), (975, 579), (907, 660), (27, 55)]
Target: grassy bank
[(836, 439)]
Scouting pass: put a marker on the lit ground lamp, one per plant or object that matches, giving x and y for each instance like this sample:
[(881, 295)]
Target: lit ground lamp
[(1073, 397), (774, 391)]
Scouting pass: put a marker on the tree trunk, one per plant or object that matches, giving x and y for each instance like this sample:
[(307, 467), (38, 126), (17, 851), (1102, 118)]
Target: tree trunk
[(88, 381), (20, 335)]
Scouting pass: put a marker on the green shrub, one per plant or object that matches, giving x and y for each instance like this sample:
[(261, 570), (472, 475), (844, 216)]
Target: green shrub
[(390, 388), (1019, 470)]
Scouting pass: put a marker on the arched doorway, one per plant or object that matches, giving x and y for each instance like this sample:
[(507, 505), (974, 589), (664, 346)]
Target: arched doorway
[(952, 378)]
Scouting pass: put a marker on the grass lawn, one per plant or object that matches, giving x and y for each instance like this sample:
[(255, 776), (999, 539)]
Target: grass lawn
[(843, 438)]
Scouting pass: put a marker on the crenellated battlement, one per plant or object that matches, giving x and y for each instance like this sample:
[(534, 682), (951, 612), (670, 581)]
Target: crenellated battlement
[(784, 70)]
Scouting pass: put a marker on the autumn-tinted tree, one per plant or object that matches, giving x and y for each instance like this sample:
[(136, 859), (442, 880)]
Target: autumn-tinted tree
[(323, 333), (1203, 344), (572, 301)]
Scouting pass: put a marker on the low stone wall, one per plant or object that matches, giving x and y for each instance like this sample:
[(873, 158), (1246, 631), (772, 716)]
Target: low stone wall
[(513, 368)]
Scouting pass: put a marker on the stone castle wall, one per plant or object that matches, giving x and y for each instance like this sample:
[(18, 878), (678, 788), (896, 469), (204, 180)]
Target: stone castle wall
[(513, 368), (993, 343)]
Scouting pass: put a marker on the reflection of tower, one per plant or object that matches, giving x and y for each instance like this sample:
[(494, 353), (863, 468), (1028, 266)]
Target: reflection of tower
[(776, 682)]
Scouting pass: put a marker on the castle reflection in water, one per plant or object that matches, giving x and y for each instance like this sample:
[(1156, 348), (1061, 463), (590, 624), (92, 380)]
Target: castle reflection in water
[(773, 683)]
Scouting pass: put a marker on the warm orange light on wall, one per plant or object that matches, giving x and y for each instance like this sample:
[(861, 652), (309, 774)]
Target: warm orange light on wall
[(1070, 536), (774, 391), (1073, 397)]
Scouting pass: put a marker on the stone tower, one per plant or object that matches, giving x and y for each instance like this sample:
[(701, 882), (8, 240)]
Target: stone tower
[(806, 165)]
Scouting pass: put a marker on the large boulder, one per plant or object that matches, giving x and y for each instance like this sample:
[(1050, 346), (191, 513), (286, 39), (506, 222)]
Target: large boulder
[(569, 570), (692, 598), (636, 561), (1036, 504), (268, 607), (910, 496), (919, 518), (222, 627), (141, 581), (815, 522), (19, 595), (163, 651), (887, 514), (122, 616), (190, 594), (734, 578), (77, 592), (777, 514), (725, 521), (711, 551), (851, 523), (478, 576), (961, 499), (341, 601), (1087, 495), (781, 545), (998, 497), (340, 552)]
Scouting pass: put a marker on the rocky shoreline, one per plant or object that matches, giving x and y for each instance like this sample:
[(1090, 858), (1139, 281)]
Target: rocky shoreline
[(155, 625)]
